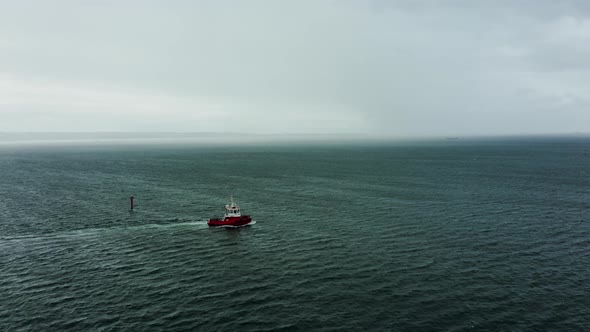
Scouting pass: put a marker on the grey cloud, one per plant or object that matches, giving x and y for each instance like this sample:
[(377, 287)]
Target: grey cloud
[(392, 68)]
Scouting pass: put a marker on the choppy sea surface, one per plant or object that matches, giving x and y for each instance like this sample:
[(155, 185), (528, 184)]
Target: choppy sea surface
[(445, 235)]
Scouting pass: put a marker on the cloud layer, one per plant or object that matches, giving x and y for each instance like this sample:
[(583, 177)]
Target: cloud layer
[(386, 68)]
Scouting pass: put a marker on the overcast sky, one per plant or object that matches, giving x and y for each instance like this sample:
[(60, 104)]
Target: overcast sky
[(388, 68)]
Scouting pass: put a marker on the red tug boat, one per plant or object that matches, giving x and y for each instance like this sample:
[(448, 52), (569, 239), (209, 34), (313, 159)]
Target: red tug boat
[(232, 217)]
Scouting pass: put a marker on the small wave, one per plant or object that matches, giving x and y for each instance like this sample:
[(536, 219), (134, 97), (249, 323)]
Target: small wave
[(418, 265)]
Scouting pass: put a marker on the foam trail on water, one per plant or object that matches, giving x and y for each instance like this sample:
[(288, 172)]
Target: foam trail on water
[(96, 231)]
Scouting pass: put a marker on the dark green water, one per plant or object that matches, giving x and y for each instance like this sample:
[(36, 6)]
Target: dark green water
[(450, 236)]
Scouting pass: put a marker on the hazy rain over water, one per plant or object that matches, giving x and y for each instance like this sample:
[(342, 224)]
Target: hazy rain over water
[(381, 68)]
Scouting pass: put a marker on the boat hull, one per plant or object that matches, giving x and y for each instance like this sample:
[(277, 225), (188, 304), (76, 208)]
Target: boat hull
[(230, 221)]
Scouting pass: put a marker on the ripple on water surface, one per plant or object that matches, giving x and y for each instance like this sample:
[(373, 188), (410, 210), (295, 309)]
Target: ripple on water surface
[(447, 236)]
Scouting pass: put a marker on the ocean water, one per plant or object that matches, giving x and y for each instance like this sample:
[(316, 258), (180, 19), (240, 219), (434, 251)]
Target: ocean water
[(443, 235)]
